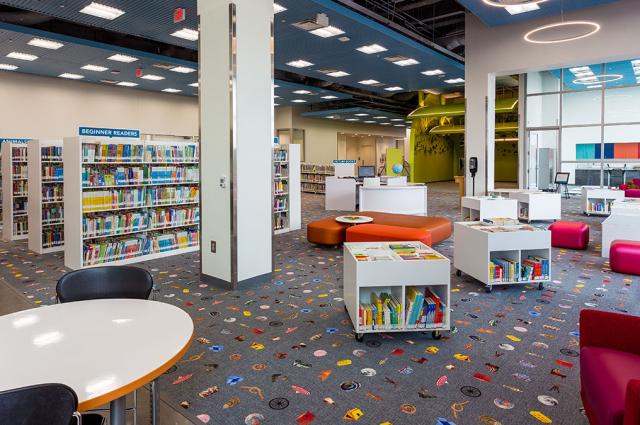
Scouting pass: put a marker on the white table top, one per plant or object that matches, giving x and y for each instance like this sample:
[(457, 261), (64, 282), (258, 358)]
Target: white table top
[(103, 349), (354, 219)]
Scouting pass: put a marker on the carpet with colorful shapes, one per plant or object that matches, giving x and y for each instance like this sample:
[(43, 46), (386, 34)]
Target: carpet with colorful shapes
[(283, 351)]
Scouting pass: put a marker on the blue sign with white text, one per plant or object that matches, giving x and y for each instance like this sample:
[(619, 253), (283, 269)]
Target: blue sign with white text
[(344, 161), (13, 141), (109, 132)]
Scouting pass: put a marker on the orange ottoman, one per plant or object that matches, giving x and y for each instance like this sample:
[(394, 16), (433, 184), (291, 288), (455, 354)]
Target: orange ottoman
[(384, 233), (326, 232), (440, 228)]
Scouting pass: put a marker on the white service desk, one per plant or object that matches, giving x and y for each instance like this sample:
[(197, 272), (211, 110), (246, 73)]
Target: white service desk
[(411, 199), (340, 194)]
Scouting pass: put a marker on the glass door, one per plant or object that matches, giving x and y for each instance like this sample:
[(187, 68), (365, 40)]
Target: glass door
[(542, 158)]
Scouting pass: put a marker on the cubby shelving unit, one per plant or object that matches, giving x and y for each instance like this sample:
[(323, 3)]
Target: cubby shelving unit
[(396, 269), (477, 245), (287, 208), (313, 177), (46, 200), (14, 191), (129, 200), (597, 201)]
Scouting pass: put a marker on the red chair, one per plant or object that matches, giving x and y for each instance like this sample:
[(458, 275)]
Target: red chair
[(610, 367), (632, 193)]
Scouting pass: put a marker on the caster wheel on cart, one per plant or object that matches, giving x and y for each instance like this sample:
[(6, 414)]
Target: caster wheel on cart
[(488, 289), (436, 335), (458, 273), (359, 337), (540, 286), (345, 308)]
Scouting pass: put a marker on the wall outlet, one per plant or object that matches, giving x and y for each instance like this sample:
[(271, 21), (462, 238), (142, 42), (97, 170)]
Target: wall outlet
[(213, 247)]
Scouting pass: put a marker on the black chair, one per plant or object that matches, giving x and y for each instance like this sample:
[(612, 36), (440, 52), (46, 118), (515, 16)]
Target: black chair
[(44, 404), (108, 283)]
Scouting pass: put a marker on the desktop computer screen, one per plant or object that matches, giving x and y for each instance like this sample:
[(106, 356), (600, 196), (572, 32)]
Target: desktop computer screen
[(366, 171)]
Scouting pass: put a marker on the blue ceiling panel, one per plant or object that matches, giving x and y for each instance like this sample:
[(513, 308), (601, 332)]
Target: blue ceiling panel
[(494, 16), (285, 96), (361, 116)]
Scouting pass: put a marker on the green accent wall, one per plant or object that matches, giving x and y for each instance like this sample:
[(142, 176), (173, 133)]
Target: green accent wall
[(506, 162), (433, 158), (394, 156)]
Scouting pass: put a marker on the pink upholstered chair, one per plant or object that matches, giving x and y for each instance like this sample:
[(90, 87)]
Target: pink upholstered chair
[(610, 367), (569, 234), (632, 193)]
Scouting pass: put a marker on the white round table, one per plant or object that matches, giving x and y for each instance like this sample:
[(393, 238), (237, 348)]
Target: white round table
[(103, 349), (354, 219)]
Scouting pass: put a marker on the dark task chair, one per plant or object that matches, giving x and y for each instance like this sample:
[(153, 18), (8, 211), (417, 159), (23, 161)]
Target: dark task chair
[(44, 404), (107, 283)]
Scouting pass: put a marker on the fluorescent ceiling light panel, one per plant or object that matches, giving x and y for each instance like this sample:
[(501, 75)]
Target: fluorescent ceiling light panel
[(369, 82), (380, 118), (399, 125), (171, 90), (369, 122), (277, 8), (276, 104), (300, 64), (454, 81), (580, 69), (326, 32), (7, 67), (194, 85), (521, 8), (152, 77), (122, 58), (397, 119), (94, 68), (182, 70), (402, 61), (302, 92), (102, 11), (71, 76), (385, 123), (45, 44), (338, 74), (329, 97), (395, 88), (361, 115), (371, 49), (126, 84), (22, 56), (433, 72), (352, 119), (299, 101), (186, 34)]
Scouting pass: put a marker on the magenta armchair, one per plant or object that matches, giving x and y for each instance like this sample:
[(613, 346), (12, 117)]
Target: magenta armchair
[(610, 367)]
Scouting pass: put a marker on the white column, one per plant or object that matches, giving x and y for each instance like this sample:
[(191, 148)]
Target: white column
[(236, 129)]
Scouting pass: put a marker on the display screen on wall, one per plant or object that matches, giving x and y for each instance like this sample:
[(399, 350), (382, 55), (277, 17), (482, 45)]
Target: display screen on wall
[(590, 151)]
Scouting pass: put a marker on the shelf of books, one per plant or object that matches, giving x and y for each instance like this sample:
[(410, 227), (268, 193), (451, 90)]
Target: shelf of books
[(396, 287), (46, 201), (287, 208), (503, 253), (598, 201), (128, 200), (14, 191), (313, 177)]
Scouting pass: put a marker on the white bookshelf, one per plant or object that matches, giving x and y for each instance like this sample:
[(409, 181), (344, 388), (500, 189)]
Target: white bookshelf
[(538, 206), (480, 207), (597, 201), (313, 177), (287, 200), (374, 267), (477, 244), (46, 200), (145, 204), (14, 191)]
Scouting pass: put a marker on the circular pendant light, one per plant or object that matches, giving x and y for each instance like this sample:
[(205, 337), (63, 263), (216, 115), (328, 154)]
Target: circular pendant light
[(506, 3), (561, 32), (599, 79)]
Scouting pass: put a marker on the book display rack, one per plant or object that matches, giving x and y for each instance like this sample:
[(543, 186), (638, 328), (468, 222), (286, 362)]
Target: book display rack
[(287, 208), (14, 190), (313, 177)]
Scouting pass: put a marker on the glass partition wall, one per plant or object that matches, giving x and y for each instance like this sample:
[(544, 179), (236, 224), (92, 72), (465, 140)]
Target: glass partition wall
[(584, 120)]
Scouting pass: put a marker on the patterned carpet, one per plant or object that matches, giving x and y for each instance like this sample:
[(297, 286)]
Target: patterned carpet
[(283, 352)]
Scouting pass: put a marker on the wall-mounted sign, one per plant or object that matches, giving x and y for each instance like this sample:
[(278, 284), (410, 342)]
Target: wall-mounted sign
[(109, 132), (344, 161), (13, 141), (344, 167)]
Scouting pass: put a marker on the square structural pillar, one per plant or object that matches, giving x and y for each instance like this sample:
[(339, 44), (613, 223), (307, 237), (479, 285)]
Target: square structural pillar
[(236, 137)]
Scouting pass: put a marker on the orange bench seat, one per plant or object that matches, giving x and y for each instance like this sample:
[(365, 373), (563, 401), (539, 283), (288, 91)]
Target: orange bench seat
[(384, 233)]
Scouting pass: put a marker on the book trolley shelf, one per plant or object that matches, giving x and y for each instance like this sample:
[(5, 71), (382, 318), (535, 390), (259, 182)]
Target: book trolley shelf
[(287, 202), (128, 200), (46, 200), (313, 177), (14, 191), (598, 201), (396, 287), (502, 254)]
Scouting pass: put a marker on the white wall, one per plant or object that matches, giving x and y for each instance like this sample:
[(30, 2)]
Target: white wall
[(503, 51), (52, 108)]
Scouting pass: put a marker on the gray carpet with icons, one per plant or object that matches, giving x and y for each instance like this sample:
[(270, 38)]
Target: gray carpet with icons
[(283, 351)]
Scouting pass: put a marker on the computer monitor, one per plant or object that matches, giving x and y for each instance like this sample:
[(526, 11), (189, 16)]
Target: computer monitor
[(562, 178), (366, 171)]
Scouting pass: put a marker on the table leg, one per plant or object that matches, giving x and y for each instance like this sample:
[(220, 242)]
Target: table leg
[(119, 411), (154, 403)]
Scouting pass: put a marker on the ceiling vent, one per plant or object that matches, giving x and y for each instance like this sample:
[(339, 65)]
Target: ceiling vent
[(320, 21)]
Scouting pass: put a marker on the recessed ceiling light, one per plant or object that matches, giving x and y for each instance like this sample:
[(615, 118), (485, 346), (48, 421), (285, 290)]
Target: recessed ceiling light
[(171, 90), (326, 32), (369, 122), (395, 88), (380, 118), (122, 58), (102, 11), (126, 84), (22, 56), (454, 81), (94, 68), (397, 119), (276, 104), (361, 115), (7, 67), (299, 101), (152, 77), (399, 125), (352, 119), (186, 34), (194, 85), (302, 92), (344, 39), (45, 44), (385, 123), (300, 63), (433, 72), (369, 82), (182, 70), (275, 96), (338, 74), (275, 86), (71, 76), (371, 49), (329, 97), (278, 8), (402, 60), (521, 8)]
